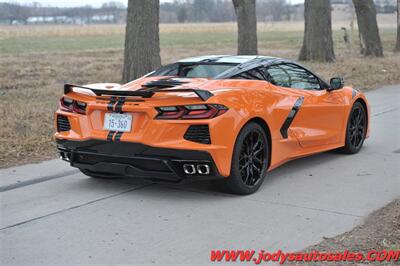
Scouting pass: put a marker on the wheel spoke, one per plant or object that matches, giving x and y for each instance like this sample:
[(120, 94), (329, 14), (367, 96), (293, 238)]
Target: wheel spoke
[(243, 166), (252, 158), (357, 127), (258, 160)]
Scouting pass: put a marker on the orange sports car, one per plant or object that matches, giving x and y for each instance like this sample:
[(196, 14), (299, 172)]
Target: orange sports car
[(232, 118)]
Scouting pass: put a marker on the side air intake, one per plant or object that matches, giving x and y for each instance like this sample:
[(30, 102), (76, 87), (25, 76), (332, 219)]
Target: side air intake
[(198, 133), (63, 123)]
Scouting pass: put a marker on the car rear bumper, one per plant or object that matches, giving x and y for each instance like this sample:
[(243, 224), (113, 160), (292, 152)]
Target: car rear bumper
[(138, 160)]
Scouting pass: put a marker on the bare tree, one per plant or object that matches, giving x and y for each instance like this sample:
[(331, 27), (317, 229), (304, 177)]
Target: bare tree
[(368, 28), (14, 12), (247, 26), (397, 49), (317, 43), (142, 42)]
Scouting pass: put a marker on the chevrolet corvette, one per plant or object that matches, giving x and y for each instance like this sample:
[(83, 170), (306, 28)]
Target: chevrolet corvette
[(232, 118)]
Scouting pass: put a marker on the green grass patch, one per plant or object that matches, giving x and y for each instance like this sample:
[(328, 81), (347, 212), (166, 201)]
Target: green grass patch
[(190, 40)]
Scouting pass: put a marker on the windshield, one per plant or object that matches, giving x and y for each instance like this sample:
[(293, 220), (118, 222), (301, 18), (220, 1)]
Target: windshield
[(193, 70)]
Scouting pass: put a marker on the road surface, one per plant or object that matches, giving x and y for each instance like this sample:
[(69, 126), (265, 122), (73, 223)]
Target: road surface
[(52, 214)]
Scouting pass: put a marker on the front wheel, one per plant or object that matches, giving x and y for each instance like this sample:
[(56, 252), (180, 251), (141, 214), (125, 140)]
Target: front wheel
[(356, 129), (249, 160)]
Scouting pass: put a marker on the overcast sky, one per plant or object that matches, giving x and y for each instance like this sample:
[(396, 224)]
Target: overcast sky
[(94, 3)]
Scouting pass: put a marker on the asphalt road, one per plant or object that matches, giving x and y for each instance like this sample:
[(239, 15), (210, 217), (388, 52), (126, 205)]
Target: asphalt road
[(52, 214)]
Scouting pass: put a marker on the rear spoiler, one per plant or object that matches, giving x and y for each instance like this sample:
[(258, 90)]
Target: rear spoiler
[(204, 95)]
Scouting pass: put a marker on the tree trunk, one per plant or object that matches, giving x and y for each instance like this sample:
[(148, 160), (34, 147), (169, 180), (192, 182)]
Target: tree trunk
[(142, 43), (317, 43), (368, 28), (247, 26), (397, 49)]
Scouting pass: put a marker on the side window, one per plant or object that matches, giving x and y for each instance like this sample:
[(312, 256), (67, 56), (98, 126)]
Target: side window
[(168, 70), (254, 74), (278, 76), (301, 78), (292, 76)]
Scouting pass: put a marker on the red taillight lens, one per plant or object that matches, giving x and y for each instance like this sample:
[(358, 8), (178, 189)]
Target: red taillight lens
[(79, 107), (69, 105), (198, 111), (66, 104), (170, 112)]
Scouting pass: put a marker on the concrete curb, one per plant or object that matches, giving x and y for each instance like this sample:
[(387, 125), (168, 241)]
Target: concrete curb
[(20, 176)]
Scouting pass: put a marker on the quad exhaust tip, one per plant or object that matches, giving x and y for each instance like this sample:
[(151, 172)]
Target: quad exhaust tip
[(64, 156), (192, 169)]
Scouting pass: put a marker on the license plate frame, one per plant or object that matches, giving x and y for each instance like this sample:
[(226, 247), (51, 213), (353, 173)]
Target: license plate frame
[(118, 122)]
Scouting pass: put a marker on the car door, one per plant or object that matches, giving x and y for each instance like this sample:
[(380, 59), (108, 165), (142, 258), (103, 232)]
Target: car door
[(316, 118)]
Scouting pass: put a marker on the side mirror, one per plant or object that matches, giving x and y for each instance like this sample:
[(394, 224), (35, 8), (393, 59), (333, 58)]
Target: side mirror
[(336, 83)]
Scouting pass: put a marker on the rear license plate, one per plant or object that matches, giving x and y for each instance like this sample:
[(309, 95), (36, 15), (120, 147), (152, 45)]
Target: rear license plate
[(118, 122)]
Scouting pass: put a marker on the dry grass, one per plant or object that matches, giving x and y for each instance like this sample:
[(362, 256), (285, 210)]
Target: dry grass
[(31, 82), (380, 231), (87, 30)]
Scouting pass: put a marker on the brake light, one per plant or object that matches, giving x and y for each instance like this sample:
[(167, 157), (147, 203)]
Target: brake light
[(66, 104), (79, 107), (73, 106), (198, 111)]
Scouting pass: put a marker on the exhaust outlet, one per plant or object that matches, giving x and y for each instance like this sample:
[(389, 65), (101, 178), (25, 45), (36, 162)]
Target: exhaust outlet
[(189, 169), (203, 169), (65, 156)]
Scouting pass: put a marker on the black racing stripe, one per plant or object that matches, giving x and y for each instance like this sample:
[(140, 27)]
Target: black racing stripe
[(110, 105), (118, 136), (118, 106), (110, 135), (292, 114)]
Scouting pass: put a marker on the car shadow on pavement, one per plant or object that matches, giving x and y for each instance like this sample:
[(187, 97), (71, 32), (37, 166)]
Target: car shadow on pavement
[(293, 169)]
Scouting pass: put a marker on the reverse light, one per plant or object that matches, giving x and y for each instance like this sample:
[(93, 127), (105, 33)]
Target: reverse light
[(73, 106), (198, 111)]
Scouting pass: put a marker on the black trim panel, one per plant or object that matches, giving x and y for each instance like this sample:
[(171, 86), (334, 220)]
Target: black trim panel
[(144, 93), (110, 105), (110, 135), (120, 103), (292, 114), (135, 160), (353, 93), (118, 136)]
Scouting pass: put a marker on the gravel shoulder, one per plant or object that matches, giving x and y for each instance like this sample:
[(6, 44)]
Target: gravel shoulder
[(380, 231)]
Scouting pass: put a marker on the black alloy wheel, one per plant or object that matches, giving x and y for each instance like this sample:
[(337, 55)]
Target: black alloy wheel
[(356, 129), (249, 160)]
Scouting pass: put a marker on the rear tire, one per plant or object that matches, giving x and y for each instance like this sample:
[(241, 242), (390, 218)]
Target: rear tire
[(356, 129), (97, 175), (249, 160)]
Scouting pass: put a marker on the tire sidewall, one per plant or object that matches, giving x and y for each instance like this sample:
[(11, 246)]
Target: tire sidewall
[(349, 147), (237, 184)]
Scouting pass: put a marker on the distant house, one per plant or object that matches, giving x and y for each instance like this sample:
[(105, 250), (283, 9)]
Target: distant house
[(102, 19), (48, 20), (386, 6)]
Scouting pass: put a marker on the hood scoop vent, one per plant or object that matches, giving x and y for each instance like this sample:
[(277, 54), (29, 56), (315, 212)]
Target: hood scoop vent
[(163, 83)]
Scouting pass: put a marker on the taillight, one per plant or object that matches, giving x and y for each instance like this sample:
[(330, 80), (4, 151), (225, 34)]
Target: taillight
[(79, 107), (198, 111), (66, 104), (73, 106)]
